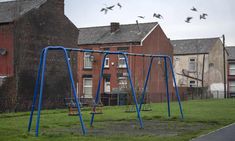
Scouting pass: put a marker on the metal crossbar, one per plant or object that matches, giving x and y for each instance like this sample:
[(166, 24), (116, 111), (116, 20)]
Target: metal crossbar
[(40, 82)]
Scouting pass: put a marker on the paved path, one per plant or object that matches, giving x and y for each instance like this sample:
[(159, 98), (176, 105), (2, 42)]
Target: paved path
[(224, 134)]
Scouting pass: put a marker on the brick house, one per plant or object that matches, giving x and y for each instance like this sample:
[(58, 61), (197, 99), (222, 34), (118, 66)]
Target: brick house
[(231, 71), (27, 26), (146, 38), (198, 62)]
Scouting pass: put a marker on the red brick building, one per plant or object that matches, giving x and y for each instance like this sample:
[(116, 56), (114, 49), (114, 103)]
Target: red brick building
[(26, 27), (231, 71), (146, 38)]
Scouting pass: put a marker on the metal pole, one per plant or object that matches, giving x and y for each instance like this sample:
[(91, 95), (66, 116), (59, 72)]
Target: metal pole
[(176, 88), (36, 90), (113, 52), (98, 89), (225, 92), (133, 91), (146, 83), (167, 88), (41, 90), (74, 91)]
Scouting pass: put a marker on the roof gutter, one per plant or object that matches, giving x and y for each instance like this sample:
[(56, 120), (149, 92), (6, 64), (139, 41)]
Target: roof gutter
[(190, 54), (113, 44)]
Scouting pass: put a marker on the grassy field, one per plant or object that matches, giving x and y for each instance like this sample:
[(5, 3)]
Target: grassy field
[(200, 117)]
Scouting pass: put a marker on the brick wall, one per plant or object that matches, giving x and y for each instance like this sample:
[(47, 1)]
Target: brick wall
[(6, 42), (155, 43), (35, 30)]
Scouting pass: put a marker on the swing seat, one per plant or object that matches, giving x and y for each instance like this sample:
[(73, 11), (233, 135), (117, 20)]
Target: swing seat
[(73, 111), (97, 108), (72, 107)]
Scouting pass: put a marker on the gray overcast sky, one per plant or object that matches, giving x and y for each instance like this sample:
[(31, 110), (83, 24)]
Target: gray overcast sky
[(220, 20)]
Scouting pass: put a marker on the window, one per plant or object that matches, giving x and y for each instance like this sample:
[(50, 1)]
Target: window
[(106, 63), (192, 64), (192, 83), (107, 85), (121, 58), (121, 61), (122, 82), (232, 86), (87, 60), (231, 69), (87, 87)]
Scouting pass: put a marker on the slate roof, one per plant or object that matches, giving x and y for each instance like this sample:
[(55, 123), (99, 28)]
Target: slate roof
[(231, 51), (126, 34), (11, 10), (193, 46)]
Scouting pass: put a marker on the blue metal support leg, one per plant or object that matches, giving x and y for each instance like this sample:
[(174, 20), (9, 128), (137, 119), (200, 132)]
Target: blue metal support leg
[(133, 91), (98, 88), (146, 83), (167, 88), (36, 90), (74, 91), (176, 88), (41, 91)]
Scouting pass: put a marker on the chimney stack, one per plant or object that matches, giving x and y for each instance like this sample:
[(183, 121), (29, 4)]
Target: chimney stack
[(115, 26)]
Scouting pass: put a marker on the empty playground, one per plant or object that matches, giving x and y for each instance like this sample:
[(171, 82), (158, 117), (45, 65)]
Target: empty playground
[(200, 117)]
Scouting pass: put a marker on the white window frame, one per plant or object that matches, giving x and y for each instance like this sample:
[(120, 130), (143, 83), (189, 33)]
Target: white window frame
[(192, 84), (231, 69), (87, 64), (107, 85), (106, 62), (87, 86), (231, 84), (192, 63), (121, 58), (123, 83)]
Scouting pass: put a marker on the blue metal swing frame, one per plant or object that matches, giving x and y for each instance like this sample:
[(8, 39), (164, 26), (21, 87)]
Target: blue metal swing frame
[(40, 83)]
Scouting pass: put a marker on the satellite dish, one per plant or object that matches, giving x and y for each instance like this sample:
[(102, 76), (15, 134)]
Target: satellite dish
[(3, 51)]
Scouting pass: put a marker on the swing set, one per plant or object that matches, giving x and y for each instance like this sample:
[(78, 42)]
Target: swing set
[(40, 83)]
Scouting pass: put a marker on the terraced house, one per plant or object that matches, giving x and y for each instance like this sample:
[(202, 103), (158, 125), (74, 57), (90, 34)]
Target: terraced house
[(147, 38), (231, 71), (199, 63)]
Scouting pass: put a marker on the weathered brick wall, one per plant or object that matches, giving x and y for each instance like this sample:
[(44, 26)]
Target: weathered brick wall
[(157, 43), (37, 29), (8, 95), (6, 42)]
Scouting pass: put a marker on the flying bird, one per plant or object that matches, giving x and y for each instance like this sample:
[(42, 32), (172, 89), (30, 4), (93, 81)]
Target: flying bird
[(194, 9), (188, 19), (159, 16), (120, 6), (203, 16), (142, 17), (110, 7), (105, 10)]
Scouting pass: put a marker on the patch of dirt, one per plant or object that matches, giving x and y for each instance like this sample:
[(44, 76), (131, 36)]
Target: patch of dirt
[(132, 128), (151, 128)]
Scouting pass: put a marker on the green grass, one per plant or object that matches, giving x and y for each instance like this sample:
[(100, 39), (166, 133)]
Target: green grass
[(206, 115)]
